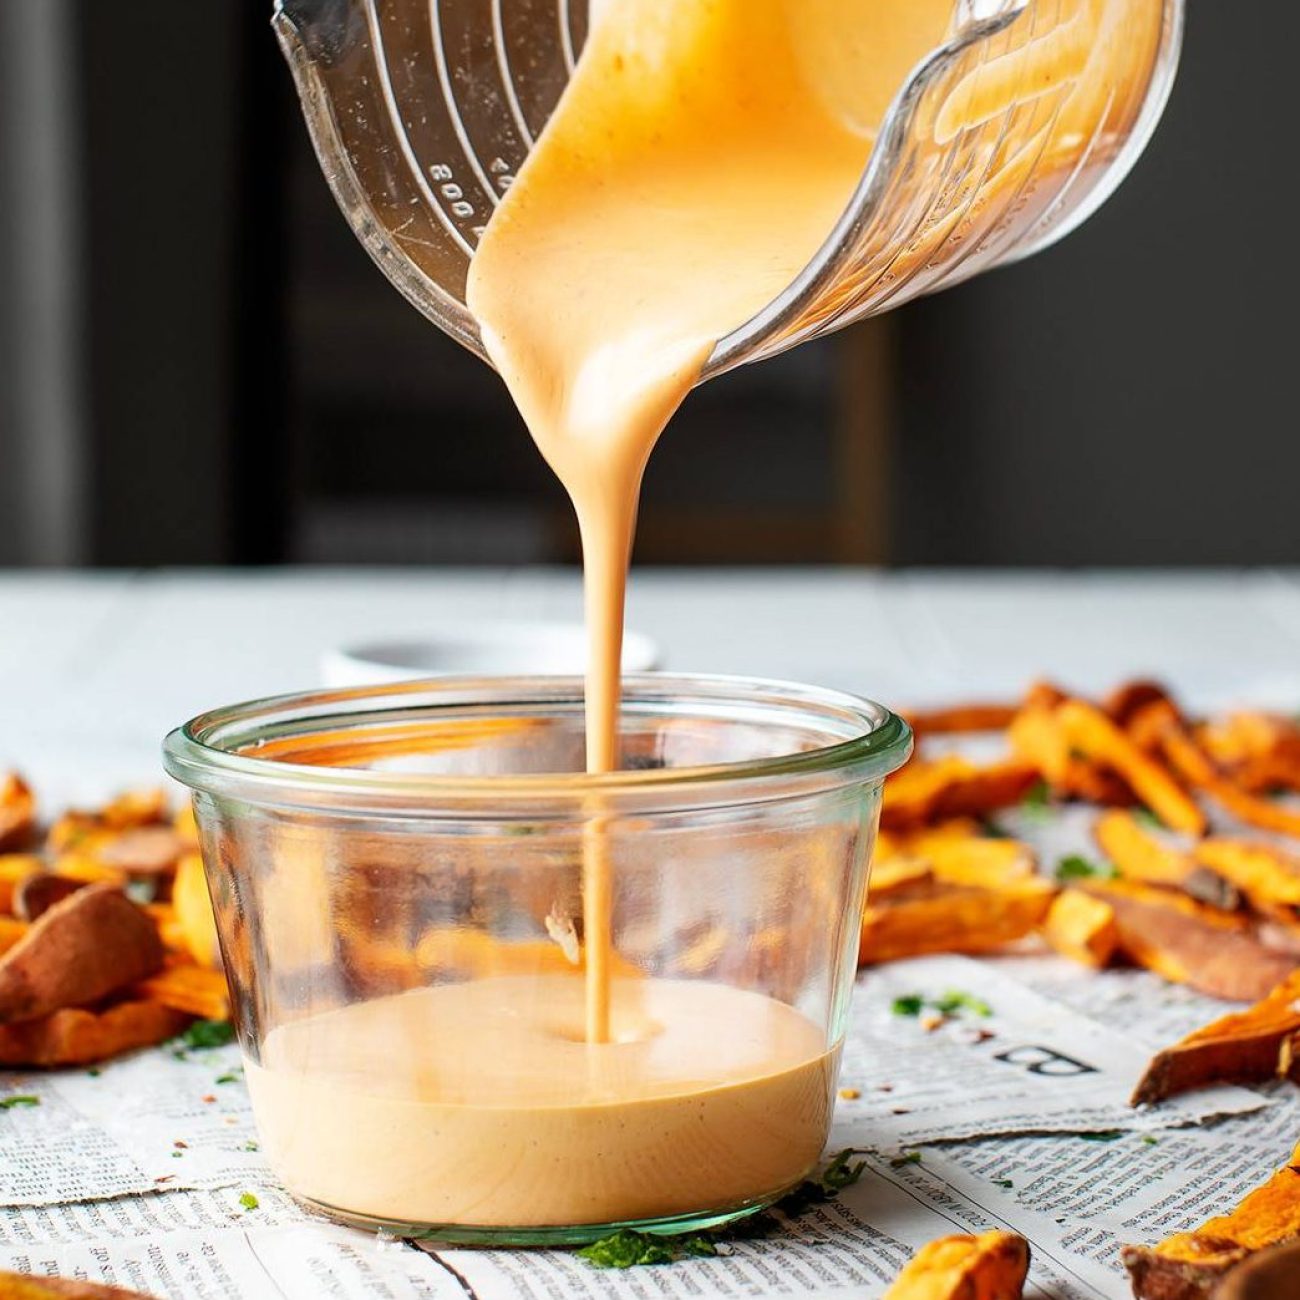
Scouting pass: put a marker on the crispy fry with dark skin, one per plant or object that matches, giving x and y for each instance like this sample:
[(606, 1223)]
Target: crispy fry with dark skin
[(81, 950), (75, 1036), (1091, 732), (1244, 1047), (993, 1266), (952, 918), (961, 719), (1129, 698), (1190, 1265), (196, 990), (1268, 876), (17, 812), (1083, 928), (35, 895), (1268, 1275), (1140, 856), (14, 869), (1187, 943)]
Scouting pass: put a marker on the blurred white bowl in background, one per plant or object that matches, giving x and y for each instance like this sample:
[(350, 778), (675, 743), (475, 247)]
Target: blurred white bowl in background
[(479, 649)]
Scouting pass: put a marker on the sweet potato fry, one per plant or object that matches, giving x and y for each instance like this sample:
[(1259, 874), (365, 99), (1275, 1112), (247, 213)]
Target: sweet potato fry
[(11, 931), (35, 895), (989, 1267), (1260, 751), (14, 869), (1187, 943), (973, 859), (911, 795), (897, 875), (81, 950), (1129, 698), (952, 787), (1142, 857), (135, 808), (986, 790), (196, 990), (1269, 877), (1038, 738), (194, 911), (961, 719), (17, 812), (1190, 1265), (75, 1036), (952, 918), (87, 868), (1083, 928), (1091, 732), (1195, 767), (1244, 1047), (22, 1286), (1267, 1275), (144, 851)]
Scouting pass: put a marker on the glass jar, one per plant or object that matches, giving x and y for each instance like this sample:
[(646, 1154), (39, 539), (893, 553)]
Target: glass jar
[(401, 878)]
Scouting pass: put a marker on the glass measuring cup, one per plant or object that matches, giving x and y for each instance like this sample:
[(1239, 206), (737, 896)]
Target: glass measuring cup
[(377, 855), (1011, 127)]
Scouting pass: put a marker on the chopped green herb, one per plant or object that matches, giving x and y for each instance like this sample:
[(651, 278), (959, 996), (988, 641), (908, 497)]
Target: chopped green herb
[(249, 1201), (911, 1158), (1113, 1136), (208, 1033), (949, 1004), (1076, 867), (1149, 1141), (176, 1155), (827, 1185), (94, 1072), (628, 1249), (227, 1078), (250, 1146), (840, 1174), (22, 1099), (1038, 799), (1148, 819), (954, 1002), (992, 829), (1003, 1182)]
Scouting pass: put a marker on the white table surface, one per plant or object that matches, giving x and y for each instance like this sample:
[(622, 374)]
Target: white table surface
[(95, 668)]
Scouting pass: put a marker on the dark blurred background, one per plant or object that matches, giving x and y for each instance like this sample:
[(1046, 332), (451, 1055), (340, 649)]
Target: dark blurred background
[(200, 365)]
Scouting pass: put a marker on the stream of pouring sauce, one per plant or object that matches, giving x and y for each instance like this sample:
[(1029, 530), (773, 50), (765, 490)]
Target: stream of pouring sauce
[(700, 156)]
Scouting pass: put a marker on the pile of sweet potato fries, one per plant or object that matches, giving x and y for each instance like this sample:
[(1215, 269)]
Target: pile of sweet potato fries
[(107, 941), (1196, 877)]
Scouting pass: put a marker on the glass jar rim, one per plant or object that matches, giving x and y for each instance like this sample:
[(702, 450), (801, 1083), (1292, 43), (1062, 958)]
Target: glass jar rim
[(211, 752)]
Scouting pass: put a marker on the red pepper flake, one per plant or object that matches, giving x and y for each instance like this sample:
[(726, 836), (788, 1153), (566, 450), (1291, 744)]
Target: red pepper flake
[(207, 1098), (179, 1143)]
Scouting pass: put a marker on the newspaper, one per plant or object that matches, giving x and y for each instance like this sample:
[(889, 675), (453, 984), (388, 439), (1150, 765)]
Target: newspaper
[(1023, 1063), (147, 1172)]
